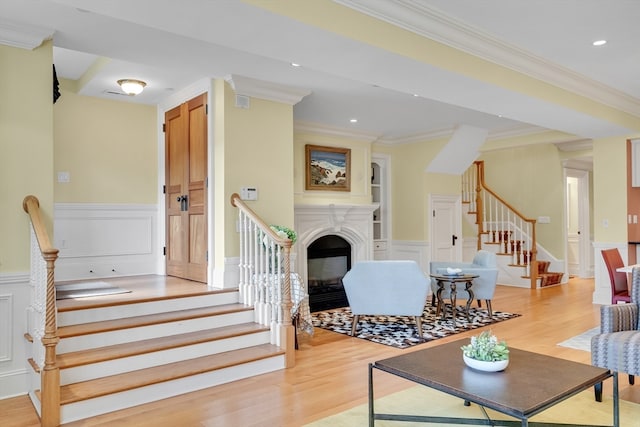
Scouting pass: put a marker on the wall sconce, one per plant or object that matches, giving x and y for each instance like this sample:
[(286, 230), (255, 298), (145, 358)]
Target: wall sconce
[(131, 86)]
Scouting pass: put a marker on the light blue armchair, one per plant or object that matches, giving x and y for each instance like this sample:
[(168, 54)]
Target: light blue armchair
[(393, 288), (484, 265)]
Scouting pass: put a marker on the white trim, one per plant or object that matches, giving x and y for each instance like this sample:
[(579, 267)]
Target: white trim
[(426, 21), (23, 36), (14, 278), (266, 90)]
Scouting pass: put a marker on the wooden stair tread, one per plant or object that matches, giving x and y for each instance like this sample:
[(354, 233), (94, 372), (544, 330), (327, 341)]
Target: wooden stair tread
[(144, 377), (73, 305), (112, 352), (151, 319)]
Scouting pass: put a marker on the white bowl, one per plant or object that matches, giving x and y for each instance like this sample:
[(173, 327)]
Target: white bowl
[(482, 365)]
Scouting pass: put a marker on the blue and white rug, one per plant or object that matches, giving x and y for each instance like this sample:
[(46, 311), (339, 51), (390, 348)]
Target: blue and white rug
[(582, 341)]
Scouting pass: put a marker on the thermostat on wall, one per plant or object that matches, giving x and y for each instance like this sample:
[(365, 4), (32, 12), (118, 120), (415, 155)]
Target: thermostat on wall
[(249, 193)]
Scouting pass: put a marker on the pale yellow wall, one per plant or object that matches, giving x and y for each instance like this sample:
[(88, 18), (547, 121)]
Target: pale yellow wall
[(531, 179), (258, 152), (26, 147), (110, 149), (411, 187), (360, 170), (610, 189)]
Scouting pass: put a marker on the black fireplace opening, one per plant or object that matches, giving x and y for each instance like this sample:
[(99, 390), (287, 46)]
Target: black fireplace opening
[(328, 260)]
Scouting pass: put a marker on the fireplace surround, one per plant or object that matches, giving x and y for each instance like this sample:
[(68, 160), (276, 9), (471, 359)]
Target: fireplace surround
[(353, 223)]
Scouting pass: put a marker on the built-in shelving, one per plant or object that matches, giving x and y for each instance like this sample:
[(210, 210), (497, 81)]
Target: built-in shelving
[(379, 196)]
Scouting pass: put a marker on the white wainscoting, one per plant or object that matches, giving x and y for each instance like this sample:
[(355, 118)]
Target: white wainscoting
[(105, 240), (14, 299), (602, 284), (418, 251)]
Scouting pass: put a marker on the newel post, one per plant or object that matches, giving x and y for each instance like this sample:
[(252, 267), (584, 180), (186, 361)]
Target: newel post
[(287, 331), (50, 378)]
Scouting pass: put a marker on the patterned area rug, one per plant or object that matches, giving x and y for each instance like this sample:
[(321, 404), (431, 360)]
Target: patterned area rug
[(400, 331)]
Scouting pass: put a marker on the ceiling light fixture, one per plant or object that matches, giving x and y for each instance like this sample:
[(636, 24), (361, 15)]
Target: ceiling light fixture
[(354, 120), (295, 64), (599, 42), (131, 86)]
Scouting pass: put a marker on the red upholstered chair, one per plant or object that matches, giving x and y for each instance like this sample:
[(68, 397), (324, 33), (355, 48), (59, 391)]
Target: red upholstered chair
[(619, 288)]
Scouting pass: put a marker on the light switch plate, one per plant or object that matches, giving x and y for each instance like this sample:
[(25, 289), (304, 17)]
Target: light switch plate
[(249, 193)]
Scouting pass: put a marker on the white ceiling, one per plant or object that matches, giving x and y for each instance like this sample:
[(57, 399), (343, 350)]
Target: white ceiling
[(171, 44)]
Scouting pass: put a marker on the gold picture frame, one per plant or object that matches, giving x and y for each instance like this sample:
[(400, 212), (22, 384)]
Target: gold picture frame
[(327, 168)]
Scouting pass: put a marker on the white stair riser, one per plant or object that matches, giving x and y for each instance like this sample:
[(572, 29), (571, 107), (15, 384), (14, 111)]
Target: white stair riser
[(147, 360), (85, 342), (152, 393), (75, 317)]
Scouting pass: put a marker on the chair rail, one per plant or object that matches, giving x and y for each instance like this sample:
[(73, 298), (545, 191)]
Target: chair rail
[(265, 276), (44, 296)]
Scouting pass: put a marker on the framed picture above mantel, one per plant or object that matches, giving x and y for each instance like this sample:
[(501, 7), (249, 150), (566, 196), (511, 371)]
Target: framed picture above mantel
[(327, 168)]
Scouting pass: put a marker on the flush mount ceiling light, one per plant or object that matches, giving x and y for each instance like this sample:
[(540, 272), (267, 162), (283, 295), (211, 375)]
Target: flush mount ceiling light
[(131, 86), (599, 42)]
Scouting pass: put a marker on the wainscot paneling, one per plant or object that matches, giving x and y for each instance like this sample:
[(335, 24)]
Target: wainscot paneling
[(105, 240), (602, 284), (417, 251), (14, 299)]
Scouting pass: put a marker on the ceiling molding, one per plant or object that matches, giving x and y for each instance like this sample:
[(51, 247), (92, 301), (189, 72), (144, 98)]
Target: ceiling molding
[(266, 90), (576, 145), (23, 36), (417, 17), (318, 128)]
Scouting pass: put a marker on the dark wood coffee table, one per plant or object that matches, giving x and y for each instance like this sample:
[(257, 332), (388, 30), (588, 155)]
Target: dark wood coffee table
[(531, 383)]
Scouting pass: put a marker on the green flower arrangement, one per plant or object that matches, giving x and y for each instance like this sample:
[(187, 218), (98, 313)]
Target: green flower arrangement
[(285, 232), (486, 347)]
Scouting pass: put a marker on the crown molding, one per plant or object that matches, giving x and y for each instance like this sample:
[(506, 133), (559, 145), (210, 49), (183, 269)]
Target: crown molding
[(419, 18), (266, 90), (23, 36), (321, 129)]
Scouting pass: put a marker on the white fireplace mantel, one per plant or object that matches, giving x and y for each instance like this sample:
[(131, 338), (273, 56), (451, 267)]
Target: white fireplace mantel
[(354, 223)]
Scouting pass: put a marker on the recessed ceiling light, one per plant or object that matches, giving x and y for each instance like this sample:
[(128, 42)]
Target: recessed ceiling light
[(354, 120), (416, 95), (295, 64), (599, 42)]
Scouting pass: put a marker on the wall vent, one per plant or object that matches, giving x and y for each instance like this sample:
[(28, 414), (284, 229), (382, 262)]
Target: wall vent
[(243, 101)]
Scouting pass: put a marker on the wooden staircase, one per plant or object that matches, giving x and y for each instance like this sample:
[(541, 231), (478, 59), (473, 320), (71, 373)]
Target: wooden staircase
[(121, 351), (506, 232)]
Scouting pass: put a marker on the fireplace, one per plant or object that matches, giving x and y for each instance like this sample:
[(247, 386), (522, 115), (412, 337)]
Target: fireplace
[(352, 224), (328, 260)]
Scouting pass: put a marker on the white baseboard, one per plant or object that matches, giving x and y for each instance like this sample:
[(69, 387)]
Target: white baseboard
[(14, 383)]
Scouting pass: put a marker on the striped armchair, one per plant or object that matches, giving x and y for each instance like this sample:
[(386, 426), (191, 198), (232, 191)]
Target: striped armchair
[(617, 346)]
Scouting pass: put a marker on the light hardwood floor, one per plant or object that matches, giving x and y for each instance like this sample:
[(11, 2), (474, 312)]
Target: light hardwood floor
[(331, 370)]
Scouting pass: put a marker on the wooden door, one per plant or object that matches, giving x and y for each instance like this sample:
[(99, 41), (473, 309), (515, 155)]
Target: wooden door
[(186, 189)]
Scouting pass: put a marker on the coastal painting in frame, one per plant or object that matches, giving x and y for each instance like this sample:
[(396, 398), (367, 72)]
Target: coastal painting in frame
[(328, 168)]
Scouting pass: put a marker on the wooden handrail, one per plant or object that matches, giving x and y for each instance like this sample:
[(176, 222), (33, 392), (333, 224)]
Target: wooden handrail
[(50, 373), (237, 202), (480, 186), (282, 286)]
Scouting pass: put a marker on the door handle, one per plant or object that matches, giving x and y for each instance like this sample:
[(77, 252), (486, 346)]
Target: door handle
[(453, 239), (183, 199)]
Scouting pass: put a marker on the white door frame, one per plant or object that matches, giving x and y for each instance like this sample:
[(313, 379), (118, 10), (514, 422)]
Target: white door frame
[(585, 268)]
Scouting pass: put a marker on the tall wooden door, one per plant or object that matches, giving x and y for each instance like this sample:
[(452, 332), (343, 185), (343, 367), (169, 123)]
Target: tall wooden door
[(186, 189)]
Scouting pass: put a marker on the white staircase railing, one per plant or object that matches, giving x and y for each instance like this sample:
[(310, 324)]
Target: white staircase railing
[(500, 223), (265, 276)]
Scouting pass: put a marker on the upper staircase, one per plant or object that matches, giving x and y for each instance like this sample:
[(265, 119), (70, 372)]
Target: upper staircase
[(168, 336)]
